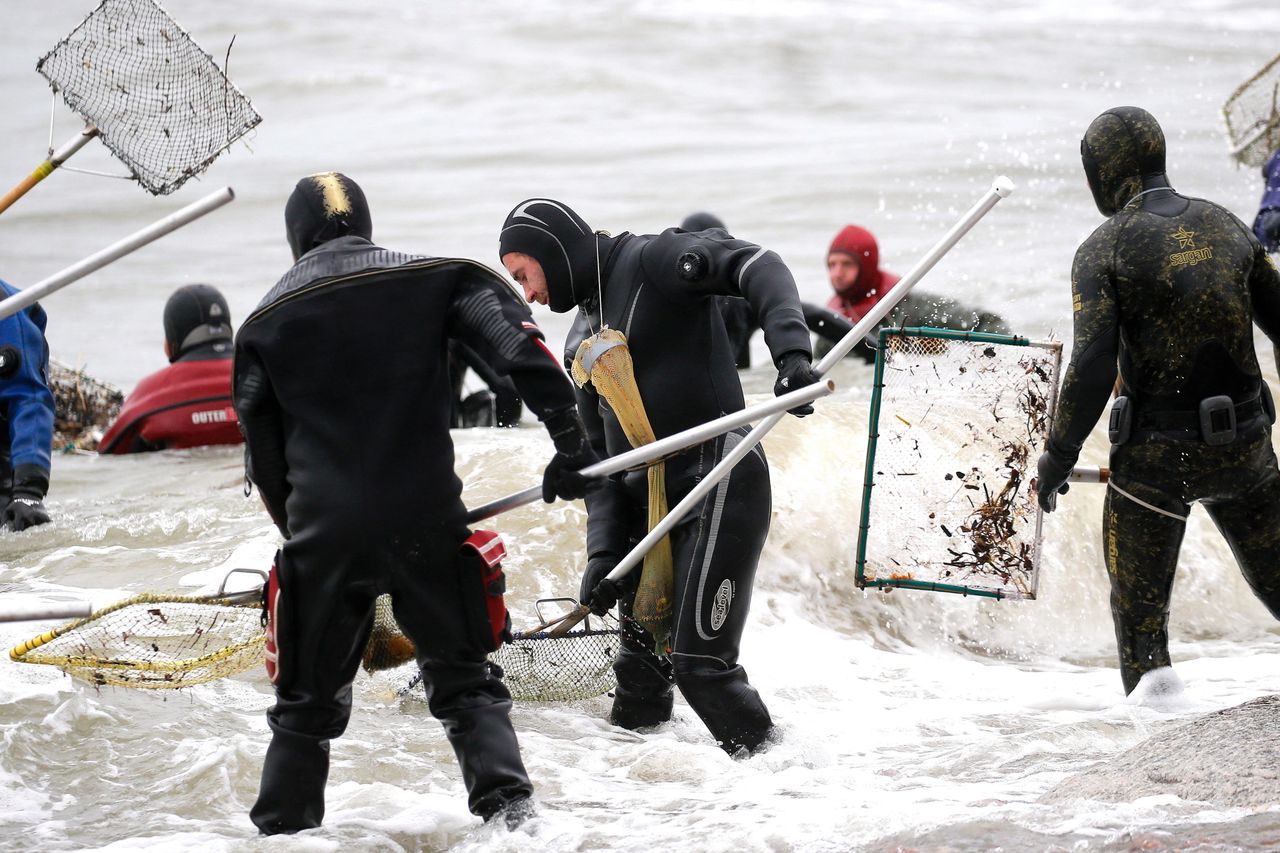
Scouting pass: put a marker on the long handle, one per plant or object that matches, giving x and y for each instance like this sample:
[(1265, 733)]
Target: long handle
[(56, 159), (40, 610), (115, 251), (1002, 187), (663, 446)]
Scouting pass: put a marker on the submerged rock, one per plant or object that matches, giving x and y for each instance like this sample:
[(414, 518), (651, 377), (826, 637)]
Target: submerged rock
[(1230, 758)]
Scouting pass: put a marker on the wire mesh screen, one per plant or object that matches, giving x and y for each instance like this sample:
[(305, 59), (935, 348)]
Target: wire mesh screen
[(154, 641), (159, 102), (540, 668), (1252, 114), (957, 422)]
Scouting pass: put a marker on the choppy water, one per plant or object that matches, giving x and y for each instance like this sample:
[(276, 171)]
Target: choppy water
[(910, 720)]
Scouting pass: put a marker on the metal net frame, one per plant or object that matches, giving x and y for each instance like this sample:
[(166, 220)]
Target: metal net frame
[(1252, 116), (957, 422), (158, 101), (155, 641)]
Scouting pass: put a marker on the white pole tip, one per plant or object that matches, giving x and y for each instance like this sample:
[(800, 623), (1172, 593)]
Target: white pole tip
[(1003, 186)]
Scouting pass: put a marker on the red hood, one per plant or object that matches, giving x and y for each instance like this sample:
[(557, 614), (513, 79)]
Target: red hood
[(872, 282)]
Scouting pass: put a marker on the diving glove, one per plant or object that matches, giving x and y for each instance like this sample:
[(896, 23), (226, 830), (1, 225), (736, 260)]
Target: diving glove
[(562, 479), (795, 370), (1051, 480)]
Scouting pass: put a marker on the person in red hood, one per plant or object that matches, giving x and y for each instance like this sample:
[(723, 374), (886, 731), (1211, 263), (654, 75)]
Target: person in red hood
[(188, 403), (853, 266)]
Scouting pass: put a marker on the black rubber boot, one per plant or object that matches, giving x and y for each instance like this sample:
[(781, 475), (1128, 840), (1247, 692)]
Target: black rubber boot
[(294, 773), (644, 696), (729, 706), (475, 709)]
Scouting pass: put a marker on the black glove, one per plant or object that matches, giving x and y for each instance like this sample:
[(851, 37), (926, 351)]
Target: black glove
[(573, 453), (597, 590), (1051, 480), (26, 509), (1268, 229), (795, 370)]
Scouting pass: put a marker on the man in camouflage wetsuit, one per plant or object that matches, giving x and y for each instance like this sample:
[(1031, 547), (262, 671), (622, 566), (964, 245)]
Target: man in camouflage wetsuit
[(1167, 290)]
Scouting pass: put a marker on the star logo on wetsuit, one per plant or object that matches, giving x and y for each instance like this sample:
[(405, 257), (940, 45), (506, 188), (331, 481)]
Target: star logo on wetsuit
[(1184, 237)]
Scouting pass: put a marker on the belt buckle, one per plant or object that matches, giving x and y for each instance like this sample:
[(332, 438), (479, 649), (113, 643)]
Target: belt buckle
[(1218, 420)]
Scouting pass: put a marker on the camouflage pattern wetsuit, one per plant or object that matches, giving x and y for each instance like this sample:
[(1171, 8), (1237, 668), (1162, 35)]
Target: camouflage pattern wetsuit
[(1168, 289)]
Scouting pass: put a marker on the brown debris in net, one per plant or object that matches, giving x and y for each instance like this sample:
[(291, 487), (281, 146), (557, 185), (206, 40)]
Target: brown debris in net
[(83, 407)]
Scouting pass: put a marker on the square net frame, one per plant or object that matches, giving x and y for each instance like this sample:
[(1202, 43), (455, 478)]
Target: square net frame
[(158, 101), (957, 422), (1252, 116)]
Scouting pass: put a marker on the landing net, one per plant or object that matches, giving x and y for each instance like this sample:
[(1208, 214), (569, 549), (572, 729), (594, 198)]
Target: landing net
[(159, 102), (1252, 116), (958, 420), (578, 665), (155, 641)]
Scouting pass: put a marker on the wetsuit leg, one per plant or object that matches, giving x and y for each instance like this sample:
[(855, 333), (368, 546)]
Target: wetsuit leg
[(1141, 548), (644, 695), (322, 621), (716, 552), (1250, 522), (463, 691)]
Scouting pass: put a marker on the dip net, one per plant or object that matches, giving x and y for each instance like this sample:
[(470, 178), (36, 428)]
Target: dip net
[(156, 641), (1252, 116), (539, 666), (158, 101), (958, 420)]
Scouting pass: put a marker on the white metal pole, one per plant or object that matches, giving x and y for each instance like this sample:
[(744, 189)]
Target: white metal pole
[(115, 251), (14, 609)]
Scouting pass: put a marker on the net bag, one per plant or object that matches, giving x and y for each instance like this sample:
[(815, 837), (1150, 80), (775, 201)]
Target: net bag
[(388, 646), (155, 641), (158, 101), (604, 361), (1252, 116), (957, 421), (83, 407)]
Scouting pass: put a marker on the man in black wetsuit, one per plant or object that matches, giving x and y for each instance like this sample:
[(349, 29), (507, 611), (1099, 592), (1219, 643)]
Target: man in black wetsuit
[(342, 389), (1169, 287), (660, 291)]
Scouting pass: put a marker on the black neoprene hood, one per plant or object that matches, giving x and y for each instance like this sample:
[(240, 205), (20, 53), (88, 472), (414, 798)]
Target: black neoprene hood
[(562, 244), (323, 207), (1121, 149), (195, 314)]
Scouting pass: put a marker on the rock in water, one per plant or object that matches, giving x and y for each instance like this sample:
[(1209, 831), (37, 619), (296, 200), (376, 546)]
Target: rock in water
[(1230, 758)]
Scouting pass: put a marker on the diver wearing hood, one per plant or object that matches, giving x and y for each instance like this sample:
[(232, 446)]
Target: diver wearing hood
[(1166, 291), (660, 292), (188, 403), (342, 386)]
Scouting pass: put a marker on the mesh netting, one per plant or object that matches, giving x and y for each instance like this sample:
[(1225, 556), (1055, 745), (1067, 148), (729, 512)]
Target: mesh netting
[(540, 668), (1252, 114), (155, 641), (957, 422), (83, 407), (388, 647), (159, 102)]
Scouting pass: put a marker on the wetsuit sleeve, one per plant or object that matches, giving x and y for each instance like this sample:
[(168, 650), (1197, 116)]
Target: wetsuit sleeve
[(487, 316), (607, 505), (832, 328), (1264, 292), (27, 402), (262, 423), (1091, 375)]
